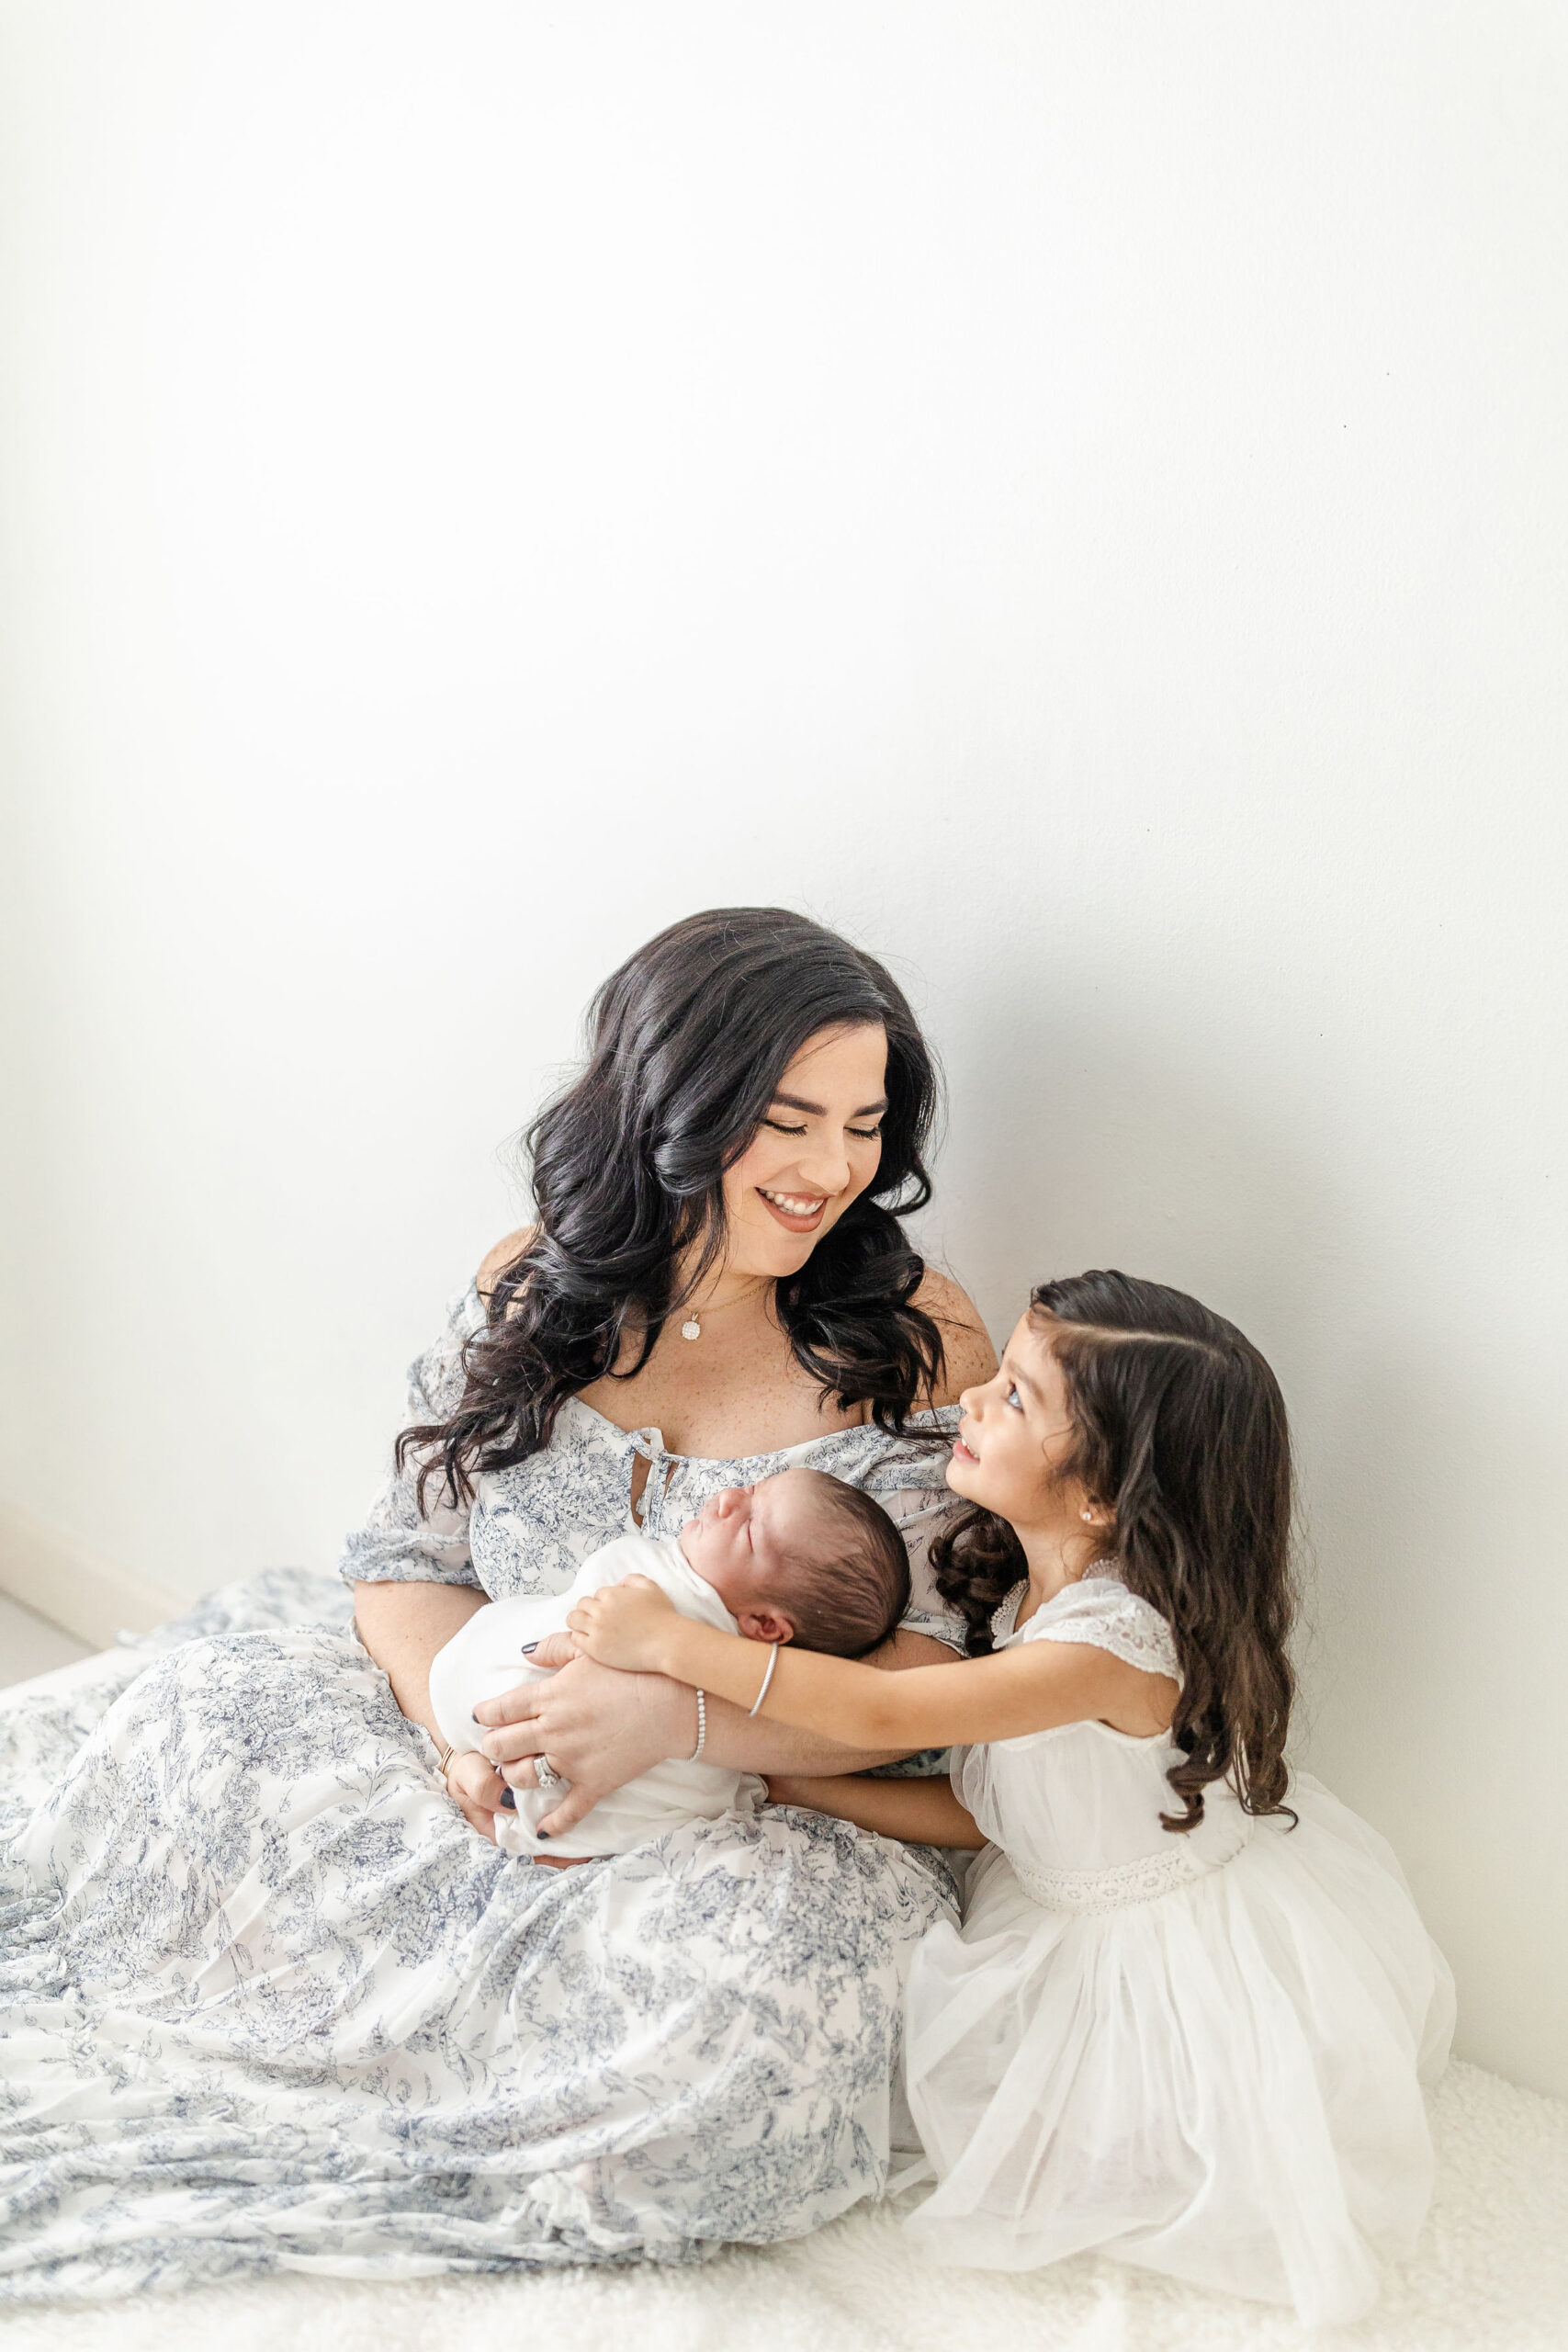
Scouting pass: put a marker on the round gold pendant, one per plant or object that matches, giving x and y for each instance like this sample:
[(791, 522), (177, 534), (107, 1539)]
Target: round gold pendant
[(691, 1329)]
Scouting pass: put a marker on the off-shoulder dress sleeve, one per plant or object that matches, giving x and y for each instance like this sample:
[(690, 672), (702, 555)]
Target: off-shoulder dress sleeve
[(920, 1517), (908, 1478), (397, 1545)]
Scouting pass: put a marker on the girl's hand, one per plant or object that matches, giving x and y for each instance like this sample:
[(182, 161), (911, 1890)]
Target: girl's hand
[(625, 1625)]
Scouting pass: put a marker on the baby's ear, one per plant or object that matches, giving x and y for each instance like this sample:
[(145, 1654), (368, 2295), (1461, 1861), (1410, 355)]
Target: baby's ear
[(765, 1624)]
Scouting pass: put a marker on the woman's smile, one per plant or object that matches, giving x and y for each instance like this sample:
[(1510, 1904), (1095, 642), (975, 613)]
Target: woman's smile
[(814, 1152), (963, 1452), (798, 1212)]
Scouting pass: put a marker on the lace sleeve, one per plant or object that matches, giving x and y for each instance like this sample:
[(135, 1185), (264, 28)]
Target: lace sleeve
[(397, 1545), (1113, 1620)]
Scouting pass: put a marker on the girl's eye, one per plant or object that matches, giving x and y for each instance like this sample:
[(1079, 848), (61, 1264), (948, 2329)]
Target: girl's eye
[(1015, 1400), (779, 1127), (866, 1135)]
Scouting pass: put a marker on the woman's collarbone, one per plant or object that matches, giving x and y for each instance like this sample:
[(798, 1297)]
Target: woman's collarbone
[(722, 1412)]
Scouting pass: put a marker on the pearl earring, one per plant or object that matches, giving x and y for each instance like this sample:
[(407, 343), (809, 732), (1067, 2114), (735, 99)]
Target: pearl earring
[(1088, 1515)]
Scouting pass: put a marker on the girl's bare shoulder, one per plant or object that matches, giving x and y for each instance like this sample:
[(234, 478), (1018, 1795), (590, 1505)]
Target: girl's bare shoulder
[(966, 1344)]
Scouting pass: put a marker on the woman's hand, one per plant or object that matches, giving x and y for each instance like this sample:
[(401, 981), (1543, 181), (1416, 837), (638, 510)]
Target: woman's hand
[(624, 1625), (600, 1729), (477, 1789)]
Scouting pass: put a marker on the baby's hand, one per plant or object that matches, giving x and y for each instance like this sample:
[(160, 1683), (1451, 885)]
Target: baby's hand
[(472, 1784), (624, 1625)]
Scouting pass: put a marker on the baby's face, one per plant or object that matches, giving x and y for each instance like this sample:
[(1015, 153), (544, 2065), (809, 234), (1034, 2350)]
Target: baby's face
[(746, 1540)]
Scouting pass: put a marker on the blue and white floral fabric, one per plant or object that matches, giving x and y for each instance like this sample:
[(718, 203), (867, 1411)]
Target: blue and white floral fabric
[(267, 2002), (531, 1527)]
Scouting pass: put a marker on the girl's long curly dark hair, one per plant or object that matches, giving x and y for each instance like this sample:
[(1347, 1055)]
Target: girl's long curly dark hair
[(688, 1043), (1181, 1434)]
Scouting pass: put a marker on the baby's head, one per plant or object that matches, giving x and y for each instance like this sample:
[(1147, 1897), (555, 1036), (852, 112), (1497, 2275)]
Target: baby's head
[(802, 1557)]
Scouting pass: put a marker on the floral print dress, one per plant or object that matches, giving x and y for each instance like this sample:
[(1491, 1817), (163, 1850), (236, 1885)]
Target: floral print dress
[(267, 2002)]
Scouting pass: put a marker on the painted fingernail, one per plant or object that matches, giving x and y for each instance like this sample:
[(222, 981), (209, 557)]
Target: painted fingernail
[(529, 1647), (509, 1798), (541, 1832)]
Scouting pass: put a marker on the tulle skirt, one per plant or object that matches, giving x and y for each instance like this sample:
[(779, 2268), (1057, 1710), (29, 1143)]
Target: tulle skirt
[(1222, 2083)]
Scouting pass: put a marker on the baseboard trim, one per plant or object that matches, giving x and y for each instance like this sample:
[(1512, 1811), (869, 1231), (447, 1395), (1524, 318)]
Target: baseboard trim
[(52, 1573)]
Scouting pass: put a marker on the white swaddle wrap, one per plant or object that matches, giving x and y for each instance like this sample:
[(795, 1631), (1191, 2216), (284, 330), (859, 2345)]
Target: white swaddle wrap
[(486, 1659)]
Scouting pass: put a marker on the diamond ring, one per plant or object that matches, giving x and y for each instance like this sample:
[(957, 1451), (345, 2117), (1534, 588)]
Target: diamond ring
[(545, 1774)]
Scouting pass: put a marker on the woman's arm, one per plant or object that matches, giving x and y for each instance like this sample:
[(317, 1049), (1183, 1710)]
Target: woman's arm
[(415, 1583), (1033, 1687), (925, 1811), (403, 1626)]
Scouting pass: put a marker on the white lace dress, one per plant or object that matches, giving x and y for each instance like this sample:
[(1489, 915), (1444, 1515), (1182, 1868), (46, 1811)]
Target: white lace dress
[(267, 2001), (1201, 2053)]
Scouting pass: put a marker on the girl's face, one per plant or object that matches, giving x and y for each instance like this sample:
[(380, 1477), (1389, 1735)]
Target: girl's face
[(816, 1151), (1015, 1432)]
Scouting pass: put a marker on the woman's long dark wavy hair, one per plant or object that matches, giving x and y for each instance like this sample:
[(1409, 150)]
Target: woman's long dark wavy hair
[(689, 1041), (1181, 1433)]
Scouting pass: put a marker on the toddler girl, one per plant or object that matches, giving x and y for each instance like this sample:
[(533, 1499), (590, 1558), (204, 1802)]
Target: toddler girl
[(1189, 2012)]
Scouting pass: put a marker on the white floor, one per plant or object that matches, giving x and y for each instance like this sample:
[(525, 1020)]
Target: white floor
[(1491, 2274), (29, 1644)]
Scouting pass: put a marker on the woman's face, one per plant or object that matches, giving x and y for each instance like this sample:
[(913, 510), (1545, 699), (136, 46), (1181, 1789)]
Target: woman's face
[(816, 1151)]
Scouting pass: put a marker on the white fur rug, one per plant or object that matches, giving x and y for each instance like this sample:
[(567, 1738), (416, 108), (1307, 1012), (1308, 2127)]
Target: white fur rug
[(1491, 2276)]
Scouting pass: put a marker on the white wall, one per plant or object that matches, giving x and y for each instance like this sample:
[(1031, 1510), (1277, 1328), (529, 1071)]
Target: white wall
[(1075, 495)]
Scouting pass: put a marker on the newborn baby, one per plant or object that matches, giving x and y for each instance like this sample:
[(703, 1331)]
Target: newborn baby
[(798, 1558)]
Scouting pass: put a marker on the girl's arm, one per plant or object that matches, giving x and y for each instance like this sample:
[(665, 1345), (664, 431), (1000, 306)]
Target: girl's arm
[(601, 1729), (926, 1810), (775, 1747), (1033, 1687)]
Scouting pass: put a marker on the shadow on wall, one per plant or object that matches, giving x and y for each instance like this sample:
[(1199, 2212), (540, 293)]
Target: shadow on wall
[(1109, 1153)]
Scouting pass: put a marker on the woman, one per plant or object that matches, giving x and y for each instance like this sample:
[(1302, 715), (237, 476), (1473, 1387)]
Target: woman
[(272, 2001)]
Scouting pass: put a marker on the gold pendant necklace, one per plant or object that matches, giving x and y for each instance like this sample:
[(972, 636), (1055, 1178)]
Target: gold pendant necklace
[(692, 1327)]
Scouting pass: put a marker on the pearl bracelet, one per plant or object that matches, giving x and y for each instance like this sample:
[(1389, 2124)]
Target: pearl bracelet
[(701, 1726)]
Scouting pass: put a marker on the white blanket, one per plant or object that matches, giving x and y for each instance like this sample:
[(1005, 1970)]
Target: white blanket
[(486, 1659)]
